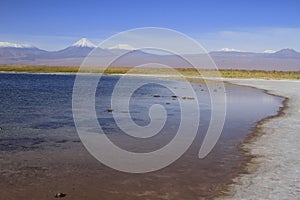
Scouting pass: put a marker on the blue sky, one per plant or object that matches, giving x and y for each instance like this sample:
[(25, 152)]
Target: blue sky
[(243, 25)]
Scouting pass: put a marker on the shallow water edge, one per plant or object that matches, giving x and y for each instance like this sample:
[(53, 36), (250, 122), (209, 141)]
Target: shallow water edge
[(251, 165)]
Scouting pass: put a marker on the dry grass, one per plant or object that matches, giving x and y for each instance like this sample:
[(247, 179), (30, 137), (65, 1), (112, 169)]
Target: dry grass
[(154, 71)]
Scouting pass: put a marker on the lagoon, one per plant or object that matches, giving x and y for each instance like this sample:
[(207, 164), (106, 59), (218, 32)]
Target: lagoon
[(41, 153)]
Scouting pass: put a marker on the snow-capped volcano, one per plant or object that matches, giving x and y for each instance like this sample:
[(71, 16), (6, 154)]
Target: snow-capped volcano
[(79, 49), (83, 42), (14, 45)]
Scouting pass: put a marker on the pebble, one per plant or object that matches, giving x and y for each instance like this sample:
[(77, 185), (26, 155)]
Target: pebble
[(60, 195)]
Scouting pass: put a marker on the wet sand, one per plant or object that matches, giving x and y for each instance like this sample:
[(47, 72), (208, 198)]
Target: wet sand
[(40, 175)]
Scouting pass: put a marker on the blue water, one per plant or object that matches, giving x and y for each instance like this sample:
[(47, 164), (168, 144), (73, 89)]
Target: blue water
[(34, 105)]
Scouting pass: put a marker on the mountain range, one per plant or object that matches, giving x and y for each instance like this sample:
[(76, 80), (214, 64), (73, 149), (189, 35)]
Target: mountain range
[(11, 53)]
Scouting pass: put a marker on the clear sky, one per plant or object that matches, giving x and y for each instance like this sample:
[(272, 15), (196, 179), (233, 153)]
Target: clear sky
[(248, 25)]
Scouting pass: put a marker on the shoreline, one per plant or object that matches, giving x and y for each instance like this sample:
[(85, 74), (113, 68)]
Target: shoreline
[(248, 166), (156, 72), (261, 164)]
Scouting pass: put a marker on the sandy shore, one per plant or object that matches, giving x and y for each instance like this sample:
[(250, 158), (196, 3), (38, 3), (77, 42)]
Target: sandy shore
[(275, 170)]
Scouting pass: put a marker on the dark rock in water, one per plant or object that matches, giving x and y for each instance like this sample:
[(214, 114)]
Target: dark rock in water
[(174, 96), (61, 141), (167, 103), (156, 95), (1, 128), (109, 110), (60, 195), (190, 98)]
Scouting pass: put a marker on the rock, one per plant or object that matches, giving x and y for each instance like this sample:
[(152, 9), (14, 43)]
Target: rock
[(167, 103), (109, 110), (156, 95), (60, 195), (174, 96), (188, 98)]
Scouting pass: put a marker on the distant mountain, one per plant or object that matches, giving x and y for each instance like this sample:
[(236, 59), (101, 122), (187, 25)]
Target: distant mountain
[(229, 50), (285, 59), (123, 47), (269, 51), (79, 49), (12, 53), (14, 45), (18, 51), (231, 54), (286, 53)]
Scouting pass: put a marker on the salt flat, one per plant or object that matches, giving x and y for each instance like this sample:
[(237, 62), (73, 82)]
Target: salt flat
[(276, 173)]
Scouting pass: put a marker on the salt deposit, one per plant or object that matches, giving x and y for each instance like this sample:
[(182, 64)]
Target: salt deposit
[(276, 173)]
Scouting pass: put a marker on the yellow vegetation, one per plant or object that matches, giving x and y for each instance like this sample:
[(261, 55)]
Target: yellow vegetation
[(188, 72)]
